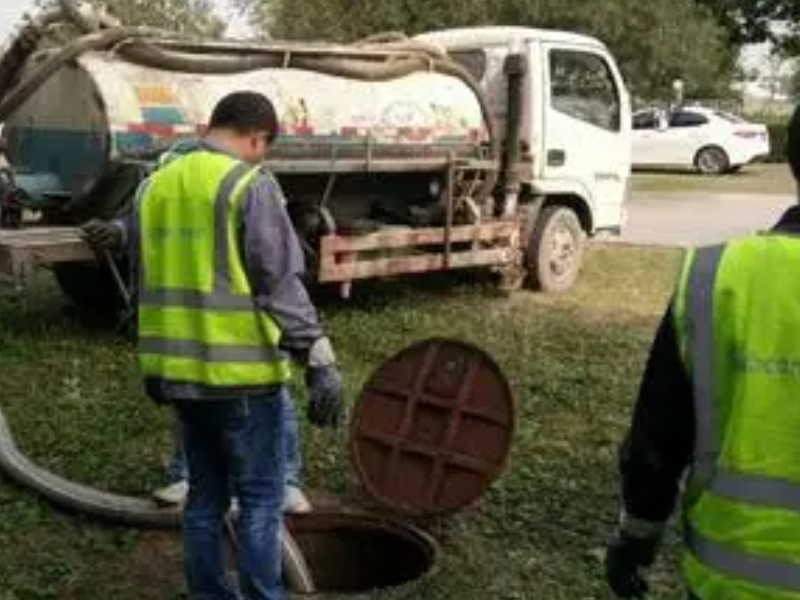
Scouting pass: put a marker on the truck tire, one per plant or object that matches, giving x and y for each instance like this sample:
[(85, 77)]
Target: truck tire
[(555, 249), (89, 286)]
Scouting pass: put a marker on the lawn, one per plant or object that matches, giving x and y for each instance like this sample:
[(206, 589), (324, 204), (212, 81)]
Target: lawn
[(72, 397), (757, 178)]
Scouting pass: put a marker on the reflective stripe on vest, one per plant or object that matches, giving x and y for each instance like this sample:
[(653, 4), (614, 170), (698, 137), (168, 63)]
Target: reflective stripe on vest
[(721, 500), (201, 327), (768, 572)]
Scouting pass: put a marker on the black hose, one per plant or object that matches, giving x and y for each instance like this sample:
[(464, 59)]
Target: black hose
[(82, 22), (125, 510), (22, 46), (116, 508), (94, 41)]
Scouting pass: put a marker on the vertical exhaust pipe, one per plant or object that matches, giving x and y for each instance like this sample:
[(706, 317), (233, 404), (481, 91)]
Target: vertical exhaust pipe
[(515, 69)]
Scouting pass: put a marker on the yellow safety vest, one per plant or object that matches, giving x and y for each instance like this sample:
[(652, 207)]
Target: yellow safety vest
[(197, 319), (737, 315)]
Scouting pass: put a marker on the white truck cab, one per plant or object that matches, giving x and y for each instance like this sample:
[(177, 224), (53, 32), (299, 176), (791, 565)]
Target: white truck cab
[(576, 121), (575, 126)]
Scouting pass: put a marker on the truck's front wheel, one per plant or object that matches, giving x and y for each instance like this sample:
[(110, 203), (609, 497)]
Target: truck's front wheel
[(555, 249)]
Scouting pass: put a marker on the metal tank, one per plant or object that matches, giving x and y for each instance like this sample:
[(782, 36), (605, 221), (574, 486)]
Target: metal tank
[(101, 109)]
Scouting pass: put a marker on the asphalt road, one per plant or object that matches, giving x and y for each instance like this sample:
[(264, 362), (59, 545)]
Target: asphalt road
[(697, 218)]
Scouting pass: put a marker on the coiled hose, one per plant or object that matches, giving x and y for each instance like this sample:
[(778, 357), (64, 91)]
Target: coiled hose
[(125, 510)]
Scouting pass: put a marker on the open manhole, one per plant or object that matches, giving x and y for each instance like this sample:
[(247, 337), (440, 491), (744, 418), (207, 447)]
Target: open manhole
[(348, 553)]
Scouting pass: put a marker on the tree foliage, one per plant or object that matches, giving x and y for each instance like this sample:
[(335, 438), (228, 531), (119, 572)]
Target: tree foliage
[(753, 21), (190, 17), (654, 41)]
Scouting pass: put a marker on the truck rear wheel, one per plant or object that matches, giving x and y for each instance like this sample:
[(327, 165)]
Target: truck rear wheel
[(555, 249), (89, 285)]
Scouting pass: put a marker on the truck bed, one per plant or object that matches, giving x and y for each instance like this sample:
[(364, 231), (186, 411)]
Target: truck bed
[(22, 250)]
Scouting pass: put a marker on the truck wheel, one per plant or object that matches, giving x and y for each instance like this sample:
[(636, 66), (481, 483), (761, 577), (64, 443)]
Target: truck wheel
[(89, 286), (555, 250), (712, 160)]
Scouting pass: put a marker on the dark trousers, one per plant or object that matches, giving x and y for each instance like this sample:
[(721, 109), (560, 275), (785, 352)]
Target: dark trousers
[(238, 441)]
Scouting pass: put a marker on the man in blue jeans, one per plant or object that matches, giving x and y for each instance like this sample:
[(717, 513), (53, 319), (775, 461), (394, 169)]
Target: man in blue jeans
[(221, 312), (294, 500)]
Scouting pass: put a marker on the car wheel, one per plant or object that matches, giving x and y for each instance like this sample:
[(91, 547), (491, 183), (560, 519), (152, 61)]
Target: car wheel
[(712, 160), (555, 250)]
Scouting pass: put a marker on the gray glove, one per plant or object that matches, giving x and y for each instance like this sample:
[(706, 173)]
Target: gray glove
[(324, 395), (624, 557), (324, 383), (102, 235)]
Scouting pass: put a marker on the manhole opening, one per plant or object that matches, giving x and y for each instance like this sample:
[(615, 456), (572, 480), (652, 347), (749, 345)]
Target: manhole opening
[(353, 554)]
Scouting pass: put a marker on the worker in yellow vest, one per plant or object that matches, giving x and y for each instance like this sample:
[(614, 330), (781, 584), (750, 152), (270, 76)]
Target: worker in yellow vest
[(721, 398), (221, 312)]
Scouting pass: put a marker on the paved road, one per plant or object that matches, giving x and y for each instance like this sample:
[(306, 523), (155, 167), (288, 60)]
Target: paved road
[(695, 218)]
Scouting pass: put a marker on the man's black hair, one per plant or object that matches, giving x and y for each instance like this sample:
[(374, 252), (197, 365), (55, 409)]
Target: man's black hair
[(793, 143), (246, 112)]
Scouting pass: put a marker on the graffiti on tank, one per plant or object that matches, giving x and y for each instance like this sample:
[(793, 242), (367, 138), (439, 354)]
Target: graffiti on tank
[(296, 119), (447, 121)]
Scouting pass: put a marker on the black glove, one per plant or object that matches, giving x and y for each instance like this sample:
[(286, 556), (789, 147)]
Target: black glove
[(102, 235), (624, 556), (324, 385)]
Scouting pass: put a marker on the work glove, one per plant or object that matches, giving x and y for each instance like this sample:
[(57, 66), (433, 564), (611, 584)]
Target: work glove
[(625, 555), (102, 235), (324, 384)]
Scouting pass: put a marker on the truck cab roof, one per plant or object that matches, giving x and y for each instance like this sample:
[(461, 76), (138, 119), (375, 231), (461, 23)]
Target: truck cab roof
[(470, 37)]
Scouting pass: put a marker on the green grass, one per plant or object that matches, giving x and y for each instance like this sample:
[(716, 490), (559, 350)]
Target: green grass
[(71, 393), (757, 178)]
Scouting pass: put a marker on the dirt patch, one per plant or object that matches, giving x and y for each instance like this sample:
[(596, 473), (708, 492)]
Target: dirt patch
[(155, 565)]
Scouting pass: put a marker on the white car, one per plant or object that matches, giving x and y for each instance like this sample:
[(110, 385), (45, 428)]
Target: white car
[(711, 141)]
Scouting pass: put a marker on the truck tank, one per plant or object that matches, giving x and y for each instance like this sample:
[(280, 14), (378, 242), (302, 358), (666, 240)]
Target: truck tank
[(102, 110)]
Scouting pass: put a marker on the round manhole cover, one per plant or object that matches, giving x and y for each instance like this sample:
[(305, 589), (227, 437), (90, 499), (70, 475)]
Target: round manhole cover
[(433, 428)]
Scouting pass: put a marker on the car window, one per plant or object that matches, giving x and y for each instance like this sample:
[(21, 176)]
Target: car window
[(473, 61), (583, 87), (645, 120), (686, 118)]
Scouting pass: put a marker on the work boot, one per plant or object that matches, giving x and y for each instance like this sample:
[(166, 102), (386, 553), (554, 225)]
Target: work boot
[(295, 501), (172, 494)]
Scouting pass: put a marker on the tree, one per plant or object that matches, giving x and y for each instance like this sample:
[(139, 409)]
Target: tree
[(655, 41), (754, 21), (794, 83), (189, 17)]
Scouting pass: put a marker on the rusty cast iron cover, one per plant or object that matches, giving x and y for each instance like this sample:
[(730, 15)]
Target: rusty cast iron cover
[(433, 428)]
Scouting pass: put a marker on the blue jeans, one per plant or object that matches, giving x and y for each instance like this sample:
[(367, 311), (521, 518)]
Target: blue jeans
[(238, 444), (177, 469)]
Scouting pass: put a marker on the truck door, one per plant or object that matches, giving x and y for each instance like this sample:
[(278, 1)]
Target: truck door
[(587, 127)]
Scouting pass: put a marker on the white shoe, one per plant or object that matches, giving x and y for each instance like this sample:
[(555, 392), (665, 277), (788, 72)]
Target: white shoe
[(174, 493), (234, 509), (295, 501)]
